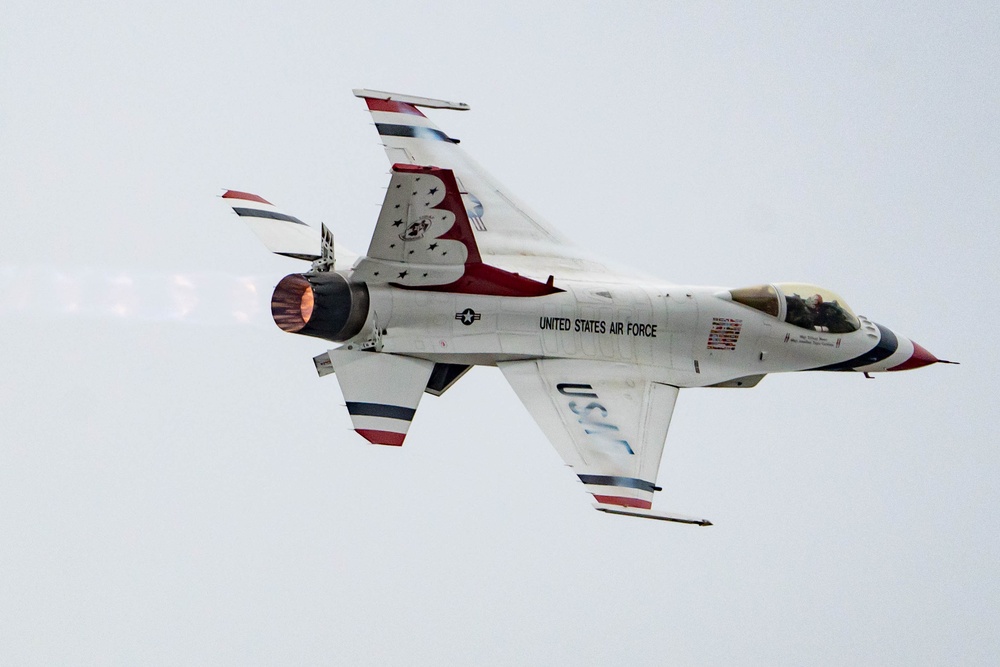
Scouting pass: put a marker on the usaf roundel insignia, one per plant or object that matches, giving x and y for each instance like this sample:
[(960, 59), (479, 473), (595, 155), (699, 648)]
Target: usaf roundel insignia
[(468, 316)]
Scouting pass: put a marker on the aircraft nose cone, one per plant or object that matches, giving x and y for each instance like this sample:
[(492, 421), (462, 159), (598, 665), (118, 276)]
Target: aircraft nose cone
[(918, 359)]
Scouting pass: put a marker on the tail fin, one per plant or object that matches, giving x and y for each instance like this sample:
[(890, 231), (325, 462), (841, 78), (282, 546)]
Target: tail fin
[(423, 240), (286, 235)]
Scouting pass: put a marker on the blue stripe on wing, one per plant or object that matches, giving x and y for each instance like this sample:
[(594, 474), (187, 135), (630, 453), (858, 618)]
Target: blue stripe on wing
[(417, 131), (626, 482), (258, 213), (380, 410)]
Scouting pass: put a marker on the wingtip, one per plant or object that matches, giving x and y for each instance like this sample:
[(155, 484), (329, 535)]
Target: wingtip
[(245, 196), (377, 437), (415, 100)]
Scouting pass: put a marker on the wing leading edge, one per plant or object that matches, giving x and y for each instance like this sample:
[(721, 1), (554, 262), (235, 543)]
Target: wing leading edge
[(608, 421)]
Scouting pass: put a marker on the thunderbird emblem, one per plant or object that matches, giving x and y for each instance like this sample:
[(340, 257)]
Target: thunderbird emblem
[(415, 230)]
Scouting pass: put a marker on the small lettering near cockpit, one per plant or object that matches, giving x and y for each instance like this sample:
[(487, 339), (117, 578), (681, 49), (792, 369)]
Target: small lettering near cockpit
[(818, 340)]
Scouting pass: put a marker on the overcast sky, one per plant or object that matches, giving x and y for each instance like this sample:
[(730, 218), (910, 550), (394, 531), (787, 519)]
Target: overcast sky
[(178, 487)]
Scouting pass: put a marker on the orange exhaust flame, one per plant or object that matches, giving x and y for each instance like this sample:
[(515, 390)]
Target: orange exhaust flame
[(292, 303), (306, 305)]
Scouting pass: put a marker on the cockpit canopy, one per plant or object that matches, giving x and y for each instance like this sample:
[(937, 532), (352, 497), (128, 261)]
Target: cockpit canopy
[(806, 306)]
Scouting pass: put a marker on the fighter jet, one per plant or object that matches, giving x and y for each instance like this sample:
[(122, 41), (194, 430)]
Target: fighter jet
[(460, 273)]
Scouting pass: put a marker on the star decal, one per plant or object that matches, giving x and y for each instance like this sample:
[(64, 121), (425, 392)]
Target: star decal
[(432, 246), (432, 191), (468, 316), (397, 223), (403, 274)]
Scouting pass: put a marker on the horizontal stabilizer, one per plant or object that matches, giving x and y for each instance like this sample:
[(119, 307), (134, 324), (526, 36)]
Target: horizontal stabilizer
[(382, 391), (281, 233), (651, 514)]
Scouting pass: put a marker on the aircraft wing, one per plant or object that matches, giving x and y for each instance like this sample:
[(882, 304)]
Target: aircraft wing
[(505, 228), (608, 421), (283, 234)]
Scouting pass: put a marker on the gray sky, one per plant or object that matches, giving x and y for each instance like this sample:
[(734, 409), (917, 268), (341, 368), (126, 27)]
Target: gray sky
[(178, 487)]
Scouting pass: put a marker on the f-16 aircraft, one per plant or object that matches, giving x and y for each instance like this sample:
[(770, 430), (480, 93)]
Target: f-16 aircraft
[(460, 273)]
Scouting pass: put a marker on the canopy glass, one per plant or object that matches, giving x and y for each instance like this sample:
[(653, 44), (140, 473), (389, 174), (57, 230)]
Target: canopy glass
[(807, 306)]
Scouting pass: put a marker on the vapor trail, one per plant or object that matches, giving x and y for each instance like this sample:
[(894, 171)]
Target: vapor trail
[(204, 297)]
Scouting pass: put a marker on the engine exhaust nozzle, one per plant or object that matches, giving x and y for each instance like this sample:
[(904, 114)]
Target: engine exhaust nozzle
[(324, 305)]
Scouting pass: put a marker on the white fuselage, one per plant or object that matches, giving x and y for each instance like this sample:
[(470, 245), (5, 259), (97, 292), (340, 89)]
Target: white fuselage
[(694, 336)]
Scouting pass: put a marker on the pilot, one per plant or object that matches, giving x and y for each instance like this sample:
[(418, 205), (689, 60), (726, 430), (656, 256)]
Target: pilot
[(831, 316), (798, 312), (815, 305)]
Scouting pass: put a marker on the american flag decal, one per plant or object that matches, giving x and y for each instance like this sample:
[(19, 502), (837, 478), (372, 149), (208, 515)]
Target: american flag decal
[(724, 333)]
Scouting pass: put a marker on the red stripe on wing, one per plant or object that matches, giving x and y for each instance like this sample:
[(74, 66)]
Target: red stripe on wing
[(246, 196), (377, 437), (390, 105), (624, 502)]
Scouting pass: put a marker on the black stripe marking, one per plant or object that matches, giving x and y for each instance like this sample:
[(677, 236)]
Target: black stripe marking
[(257, 213), (416, 131), (626, 482), (380, 410), (885, 347)]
